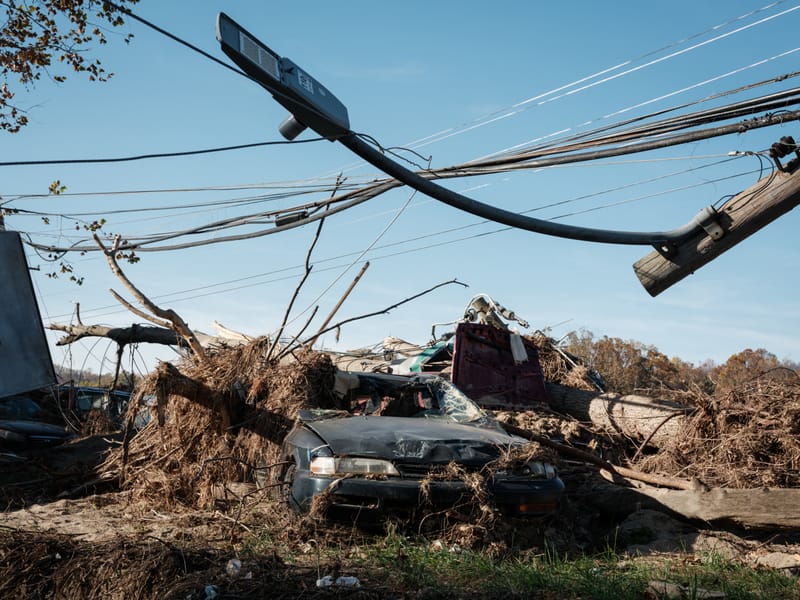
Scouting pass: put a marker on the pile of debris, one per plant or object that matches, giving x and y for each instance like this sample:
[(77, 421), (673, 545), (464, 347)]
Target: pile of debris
[(223, 420), (216, 423), (746, 439)]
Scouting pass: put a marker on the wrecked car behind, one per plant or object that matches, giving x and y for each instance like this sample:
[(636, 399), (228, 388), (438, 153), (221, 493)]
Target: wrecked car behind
[(23, 425), (406, 442)]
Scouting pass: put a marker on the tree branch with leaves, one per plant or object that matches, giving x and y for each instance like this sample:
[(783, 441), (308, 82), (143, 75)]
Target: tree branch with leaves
[(50, 38)]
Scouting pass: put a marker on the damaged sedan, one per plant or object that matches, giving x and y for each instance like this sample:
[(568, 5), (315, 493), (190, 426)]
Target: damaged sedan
[(406, 442)]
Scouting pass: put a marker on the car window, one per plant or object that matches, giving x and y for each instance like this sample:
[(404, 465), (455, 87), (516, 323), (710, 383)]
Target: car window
[(19, 407), (425, 398), (454, 403)]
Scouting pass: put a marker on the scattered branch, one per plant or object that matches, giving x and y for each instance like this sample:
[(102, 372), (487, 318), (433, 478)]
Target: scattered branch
[(308, 267), (176, 323), (387, 309), (336, 308), (563, 449)]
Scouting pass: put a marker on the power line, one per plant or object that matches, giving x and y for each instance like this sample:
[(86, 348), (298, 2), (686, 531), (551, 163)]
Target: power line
[(582, 85), (436, 234), (89, 161), (622, 143), (511, 161)]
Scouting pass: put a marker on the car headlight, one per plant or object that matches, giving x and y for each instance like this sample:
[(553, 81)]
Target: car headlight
[(328, 465), (537, 469)]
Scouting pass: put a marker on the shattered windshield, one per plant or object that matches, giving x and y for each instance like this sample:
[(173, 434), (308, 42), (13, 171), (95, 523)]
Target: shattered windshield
[(422, 396), (453, 403)]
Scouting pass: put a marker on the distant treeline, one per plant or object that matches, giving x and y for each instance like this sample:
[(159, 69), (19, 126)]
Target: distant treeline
[(628, 366), (126, 381)]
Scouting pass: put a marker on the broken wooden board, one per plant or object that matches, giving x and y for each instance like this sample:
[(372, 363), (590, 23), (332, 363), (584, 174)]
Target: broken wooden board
[(773, 508)]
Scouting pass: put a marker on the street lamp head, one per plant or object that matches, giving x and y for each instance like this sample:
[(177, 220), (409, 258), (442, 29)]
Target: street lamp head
[(310, 103), (291, 128)]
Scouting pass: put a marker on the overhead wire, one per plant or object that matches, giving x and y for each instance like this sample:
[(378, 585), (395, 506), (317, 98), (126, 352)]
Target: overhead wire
[(118, 159), (619, 143), (176, 38), (770, 5), (575, 86), (289, 274)]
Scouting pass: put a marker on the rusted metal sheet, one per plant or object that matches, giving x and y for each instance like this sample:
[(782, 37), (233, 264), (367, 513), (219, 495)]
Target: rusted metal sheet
[(25, 362), (489, 370)]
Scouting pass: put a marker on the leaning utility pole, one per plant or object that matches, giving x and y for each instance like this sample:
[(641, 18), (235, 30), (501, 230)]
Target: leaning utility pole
[(737, 219)]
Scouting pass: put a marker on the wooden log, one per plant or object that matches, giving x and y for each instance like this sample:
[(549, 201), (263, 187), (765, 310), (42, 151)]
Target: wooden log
[(605, 466), (636, 417), (766, 508)]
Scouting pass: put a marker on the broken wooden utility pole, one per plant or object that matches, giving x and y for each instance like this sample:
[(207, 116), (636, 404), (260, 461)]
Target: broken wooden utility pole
[(738, 218)]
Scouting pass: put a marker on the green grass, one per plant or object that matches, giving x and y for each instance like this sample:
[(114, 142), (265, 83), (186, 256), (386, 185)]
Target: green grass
[(419, 569)]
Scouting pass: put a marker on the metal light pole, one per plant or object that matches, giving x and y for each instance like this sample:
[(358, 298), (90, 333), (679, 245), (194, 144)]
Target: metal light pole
[(312, 105)]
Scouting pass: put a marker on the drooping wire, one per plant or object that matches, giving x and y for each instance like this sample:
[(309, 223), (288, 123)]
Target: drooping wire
[(118, 159)]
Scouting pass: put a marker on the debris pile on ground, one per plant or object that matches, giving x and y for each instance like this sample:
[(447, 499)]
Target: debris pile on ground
[(217, 423), (49, 565), (745, 439), (560, 367)]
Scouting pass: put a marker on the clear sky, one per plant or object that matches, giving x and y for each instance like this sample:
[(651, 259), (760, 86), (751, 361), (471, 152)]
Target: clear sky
[(455, 81)]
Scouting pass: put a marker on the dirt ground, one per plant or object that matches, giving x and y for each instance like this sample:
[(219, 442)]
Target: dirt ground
[(104, 543)]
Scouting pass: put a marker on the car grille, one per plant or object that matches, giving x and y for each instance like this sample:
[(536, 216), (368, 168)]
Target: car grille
[(413, 470), (422, 470)]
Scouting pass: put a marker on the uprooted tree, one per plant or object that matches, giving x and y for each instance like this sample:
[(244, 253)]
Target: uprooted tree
[(222, 413)]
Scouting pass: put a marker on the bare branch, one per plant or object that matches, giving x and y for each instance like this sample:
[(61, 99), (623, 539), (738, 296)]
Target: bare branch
[(176, 322), (140, 313), (121, 335), (389, 308), (290, 347), (308, 267), (339, 304)]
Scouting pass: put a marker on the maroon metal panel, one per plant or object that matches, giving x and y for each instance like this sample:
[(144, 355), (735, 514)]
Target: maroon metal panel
[(484, 368)]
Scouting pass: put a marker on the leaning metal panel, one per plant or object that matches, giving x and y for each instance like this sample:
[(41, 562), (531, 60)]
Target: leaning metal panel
[(25, 362)]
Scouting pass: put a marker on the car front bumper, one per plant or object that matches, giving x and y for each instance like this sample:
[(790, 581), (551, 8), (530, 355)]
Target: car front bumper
[(512, 495)]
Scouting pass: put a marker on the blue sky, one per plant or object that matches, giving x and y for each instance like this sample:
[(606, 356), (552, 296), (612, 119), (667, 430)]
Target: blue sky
[(468, 79)]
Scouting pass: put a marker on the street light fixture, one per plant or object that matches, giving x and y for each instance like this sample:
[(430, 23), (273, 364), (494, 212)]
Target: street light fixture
[(680, 250), (310, 103)]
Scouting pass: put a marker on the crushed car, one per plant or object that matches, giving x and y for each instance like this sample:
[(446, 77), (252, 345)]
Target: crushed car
[(81, 401), (387, 452), (22, 425)]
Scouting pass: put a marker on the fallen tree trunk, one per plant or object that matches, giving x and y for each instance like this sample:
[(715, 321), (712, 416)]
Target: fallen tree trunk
[(135, 334), (756, 508), (142, 334), (648, 420), (604, 465)]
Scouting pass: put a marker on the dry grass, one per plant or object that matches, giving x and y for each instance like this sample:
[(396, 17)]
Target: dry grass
[(557, 368), (746, 439)]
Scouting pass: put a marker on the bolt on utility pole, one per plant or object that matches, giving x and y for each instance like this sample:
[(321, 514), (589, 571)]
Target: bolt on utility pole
[(678, 252)]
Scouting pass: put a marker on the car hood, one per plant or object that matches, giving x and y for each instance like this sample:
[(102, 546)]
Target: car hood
[(412, 439), (28, 427), (37, 432)]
